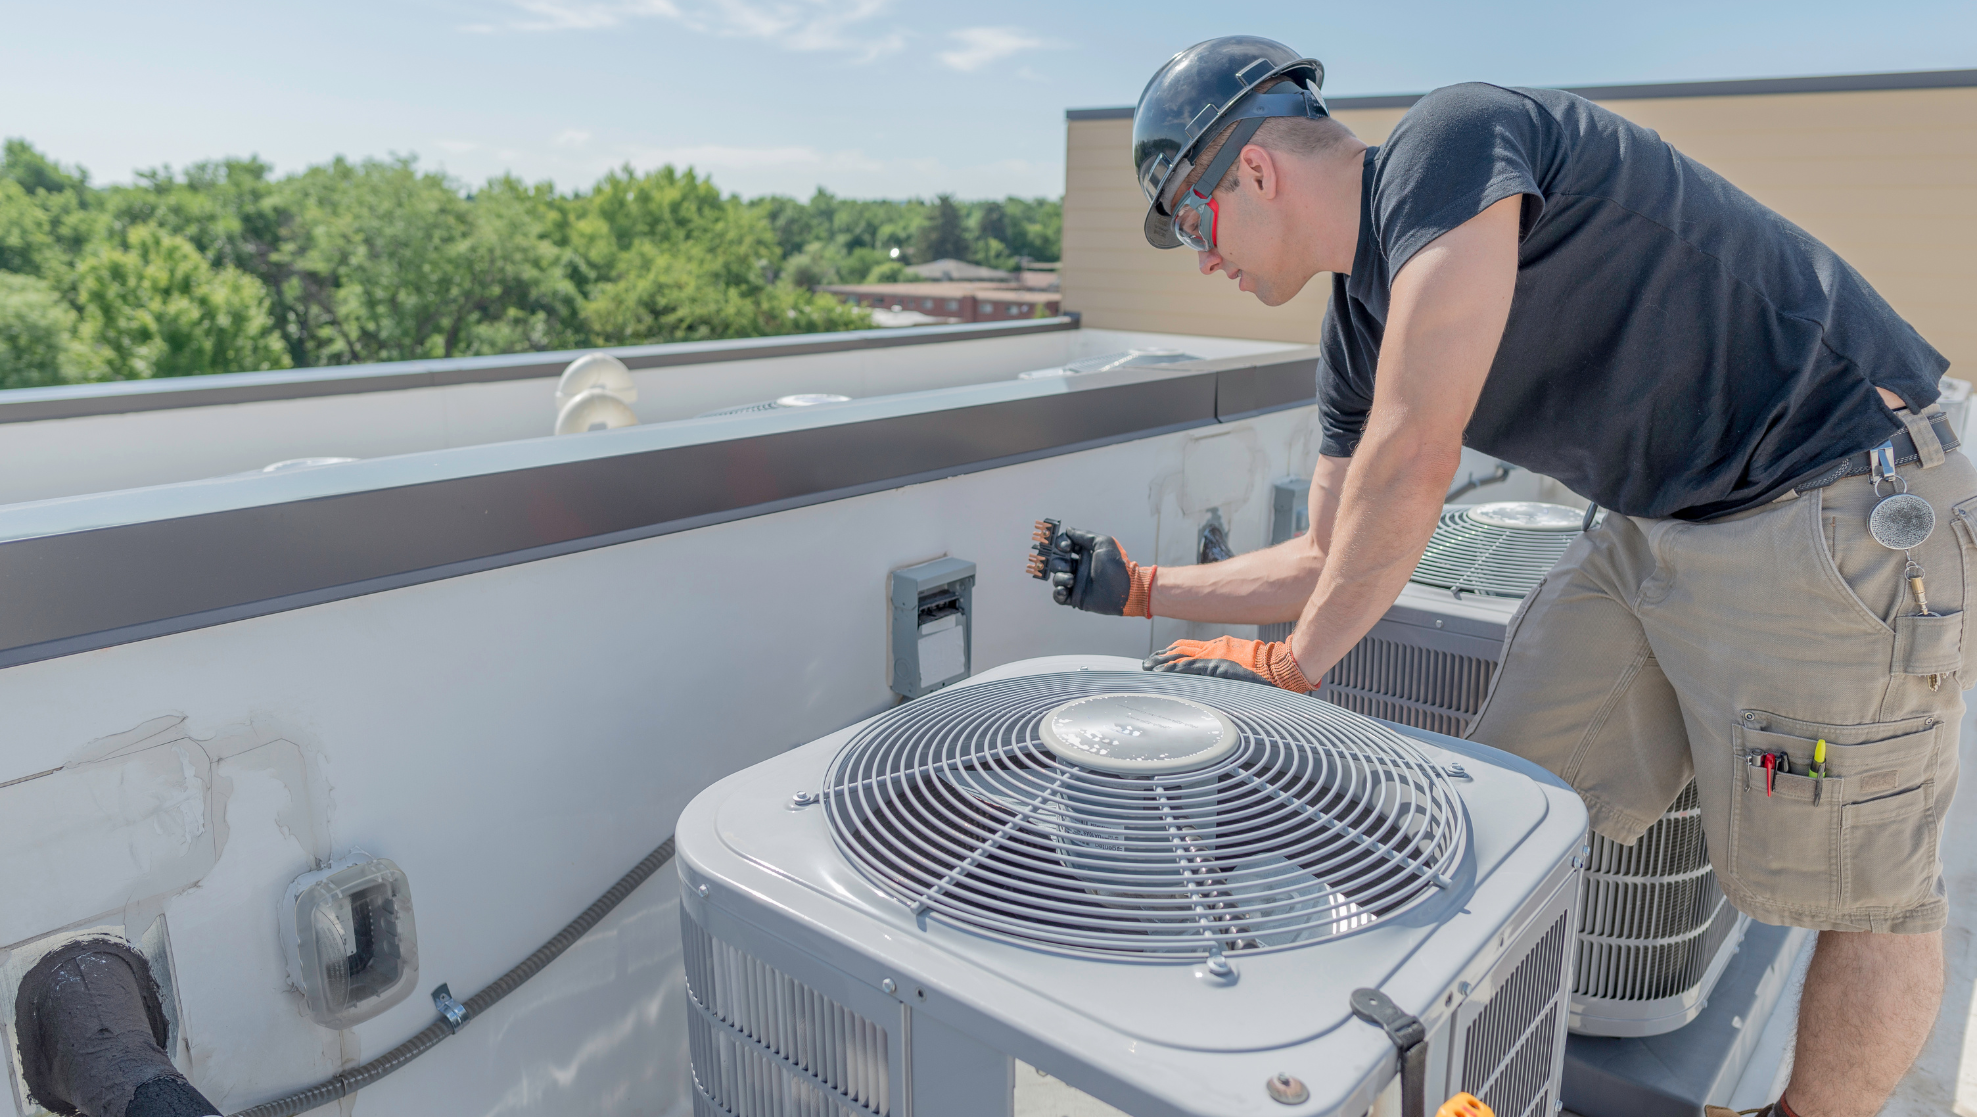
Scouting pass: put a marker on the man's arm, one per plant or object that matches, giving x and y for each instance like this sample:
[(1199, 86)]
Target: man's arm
[(1259, 587), (1445, 318)]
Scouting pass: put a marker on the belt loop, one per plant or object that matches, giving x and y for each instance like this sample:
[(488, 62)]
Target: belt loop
[(1924, 433)]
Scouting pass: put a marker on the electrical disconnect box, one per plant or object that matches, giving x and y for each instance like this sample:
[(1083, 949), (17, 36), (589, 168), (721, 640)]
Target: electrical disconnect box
[(1290, 517), (932, 618), (1290, 509)]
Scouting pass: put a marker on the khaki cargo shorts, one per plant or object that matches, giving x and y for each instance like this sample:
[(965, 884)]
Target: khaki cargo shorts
[(1662, 649)]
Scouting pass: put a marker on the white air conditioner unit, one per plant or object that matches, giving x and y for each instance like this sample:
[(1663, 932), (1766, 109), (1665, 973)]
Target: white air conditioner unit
[(780, 403), (1130, 358), (1069, 885), (1655, 930)]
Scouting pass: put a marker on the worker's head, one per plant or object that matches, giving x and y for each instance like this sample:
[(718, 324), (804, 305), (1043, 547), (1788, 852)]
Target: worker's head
[(1250, 225), (1230, 139)]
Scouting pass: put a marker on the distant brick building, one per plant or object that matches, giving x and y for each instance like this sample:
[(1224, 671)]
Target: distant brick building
[(958, 302)]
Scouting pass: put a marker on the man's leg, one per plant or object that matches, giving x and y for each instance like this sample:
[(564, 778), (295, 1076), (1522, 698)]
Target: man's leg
[(1578, 690), (1790, 635), (1869, 1002)]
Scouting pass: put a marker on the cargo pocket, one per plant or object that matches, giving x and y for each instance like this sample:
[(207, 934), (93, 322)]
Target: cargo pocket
[(1931, 645), (1861, 839)]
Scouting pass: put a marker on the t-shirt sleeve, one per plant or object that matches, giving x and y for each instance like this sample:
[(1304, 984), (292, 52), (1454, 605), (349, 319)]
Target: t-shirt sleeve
[(1349, 344), (1458, 151)]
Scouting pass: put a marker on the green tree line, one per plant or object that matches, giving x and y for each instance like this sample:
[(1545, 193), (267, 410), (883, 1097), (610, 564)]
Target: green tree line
[(226, 267)]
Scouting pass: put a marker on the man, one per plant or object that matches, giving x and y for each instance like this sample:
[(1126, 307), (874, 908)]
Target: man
[(1529, 274)]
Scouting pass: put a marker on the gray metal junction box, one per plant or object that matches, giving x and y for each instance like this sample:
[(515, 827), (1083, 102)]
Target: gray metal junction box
[(932, 625)]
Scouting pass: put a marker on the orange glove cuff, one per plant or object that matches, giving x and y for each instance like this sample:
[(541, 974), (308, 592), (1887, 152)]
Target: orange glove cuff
[(1139, 599), (1283, 669)]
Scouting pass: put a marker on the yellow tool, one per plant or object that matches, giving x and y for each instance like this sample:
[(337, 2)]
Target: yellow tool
[(1464, 1104), (1818, 769)]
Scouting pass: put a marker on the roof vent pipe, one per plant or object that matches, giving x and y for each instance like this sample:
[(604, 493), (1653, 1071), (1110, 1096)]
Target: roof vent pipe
[(91, 1032), (595, 393)]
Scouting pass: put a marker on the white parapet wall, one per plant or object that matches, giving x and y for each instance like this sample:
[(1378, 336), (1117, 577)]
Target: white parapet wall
[(518, 734), (96, 437)]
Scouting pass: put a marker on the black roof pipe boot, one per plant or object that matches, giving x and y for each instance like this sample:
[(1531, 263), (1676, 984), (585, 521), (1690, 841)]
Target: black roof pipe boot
[(92, 1036)]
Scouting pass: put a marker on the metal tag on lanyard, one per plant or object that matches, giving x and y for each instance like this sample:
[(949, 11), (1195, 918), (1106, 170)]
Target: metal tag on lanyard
[(1901, 522)]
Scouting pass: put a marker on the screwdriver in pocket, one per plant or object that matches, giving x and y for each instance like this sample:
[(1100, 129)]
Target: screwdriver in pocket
[(1818, 769)]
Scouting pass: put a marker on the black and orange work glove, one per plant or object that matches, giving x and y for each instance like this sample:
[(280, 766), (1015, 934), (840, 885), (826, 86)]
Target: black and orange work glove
[(1090, 572), (1225, 657)]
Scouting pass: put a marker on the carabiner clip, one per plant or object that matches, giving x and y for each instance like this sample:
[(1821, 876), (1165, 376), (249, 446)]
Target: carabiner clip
[(1881, 461)]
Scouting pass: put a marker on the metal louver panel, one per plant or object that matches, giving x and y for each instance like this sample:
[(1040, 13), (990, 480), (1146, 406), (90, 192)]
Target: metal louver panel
[(766, 1045), (1315, 823), (1512, 1046), (1466, 555), (1423, 687), (1652, 917)]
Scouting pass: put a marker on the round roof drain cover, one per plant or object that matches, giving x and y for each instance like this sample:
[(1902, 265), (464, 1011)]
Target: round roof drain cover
[(1138, 734), (1527, 514)]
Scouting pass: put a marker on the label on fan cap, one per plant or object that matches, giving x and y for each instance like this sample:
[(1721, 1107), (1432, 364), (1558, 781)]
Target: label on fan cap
[(1139, 733)]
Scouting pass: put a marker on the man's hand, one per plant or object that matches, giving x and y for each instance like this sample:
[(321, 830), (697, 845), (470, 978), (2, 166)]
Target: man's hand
[(1225, 657), (1091, 572)]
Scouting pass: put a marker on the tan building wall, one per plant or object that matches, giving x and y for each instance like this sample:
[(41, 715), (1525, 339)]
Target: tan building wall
[(1887, 177)]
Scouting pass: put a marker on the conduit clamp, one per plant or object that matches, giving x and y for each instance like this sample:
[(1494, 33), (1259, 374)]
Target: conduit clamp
[(450, 1010), (1410, 1039)]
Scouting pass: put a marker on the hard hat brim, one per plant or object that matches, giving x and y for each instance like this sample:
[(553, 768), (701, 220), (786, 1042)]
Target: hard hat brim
[(1160, 229)]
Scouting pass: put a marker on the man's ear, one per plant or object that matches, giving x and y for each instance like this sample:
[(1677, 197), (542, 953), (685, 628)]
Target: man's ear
[(1257, 169)]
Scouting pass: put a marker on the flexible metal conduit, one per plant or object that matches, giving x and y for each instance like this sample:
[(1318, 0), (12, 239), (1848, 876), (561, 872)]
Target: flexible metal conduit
[(351, 1081)]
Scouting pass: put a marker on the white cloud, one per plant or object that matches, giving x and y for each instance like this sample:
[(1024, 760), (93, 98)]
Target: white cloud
[(458, 147), (983, 45), (571, 137), (717, 157), (803, 25)]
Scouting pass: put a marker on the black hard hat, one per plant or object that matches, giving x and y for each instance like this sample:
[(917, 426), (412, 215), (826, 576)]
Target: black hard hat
[(1198, 91)]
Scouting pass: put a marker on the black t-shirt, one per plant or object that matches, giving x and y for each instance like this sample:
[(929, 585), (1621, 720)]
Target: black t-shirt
[(1674, 348)]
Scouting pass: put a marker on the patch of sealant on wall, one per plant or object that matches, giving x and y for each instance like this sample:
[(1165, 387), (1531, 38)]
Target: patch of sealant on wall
[(146, 819), (248, 1038), (86, 841)]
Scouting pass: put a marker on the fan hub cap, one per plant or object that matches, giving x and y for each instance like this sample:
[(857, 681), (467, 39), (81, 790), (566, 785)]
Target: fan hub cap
[(1138, 734), (1530, 515)]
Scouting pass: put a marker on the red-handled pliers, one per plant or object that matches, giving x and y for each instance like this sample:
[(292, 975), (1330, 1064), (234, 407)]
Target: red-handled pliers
[(1770, 762)]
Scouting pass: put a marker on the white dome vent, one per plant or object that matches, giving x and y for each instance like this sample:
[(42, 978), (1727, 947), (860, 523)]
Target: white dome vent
[(595, 393)]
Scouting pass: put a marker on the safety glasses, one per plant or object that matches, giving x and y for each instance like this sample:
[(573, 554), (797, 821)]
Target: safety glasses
[(1195, 218)]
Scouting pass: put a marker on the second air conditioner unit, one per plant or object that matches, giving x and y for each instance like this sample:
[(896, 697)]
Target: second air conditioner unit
[(1071, 885), (780, 403), (1655, 930)]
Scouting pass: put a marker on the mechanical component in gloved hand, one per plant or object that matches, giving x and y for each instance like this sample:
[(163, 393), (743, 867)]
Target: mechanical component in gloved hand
[(1090, 572), (1225, 657), (91, 1033)]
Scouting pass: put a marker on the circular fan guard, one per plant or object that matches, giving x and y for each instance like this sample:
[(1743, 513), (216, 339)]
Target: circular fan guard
[(1467, 555), (1320, 823)]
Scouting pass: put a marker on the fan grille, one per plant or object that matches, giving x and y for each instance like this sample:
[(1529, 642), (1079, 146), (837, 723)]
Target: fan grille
[(1468, 556), (1320, 822)]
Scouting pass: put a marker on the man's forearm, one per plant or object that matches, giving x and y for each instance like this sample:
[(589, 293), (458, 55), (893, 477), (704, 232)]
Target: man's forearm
[(1261, 587), (1392, 502)]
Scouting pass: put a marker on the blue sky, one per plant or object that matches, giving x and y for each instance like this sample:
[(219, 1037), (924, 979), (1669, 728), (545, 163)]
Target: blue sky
[(869, 98)]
